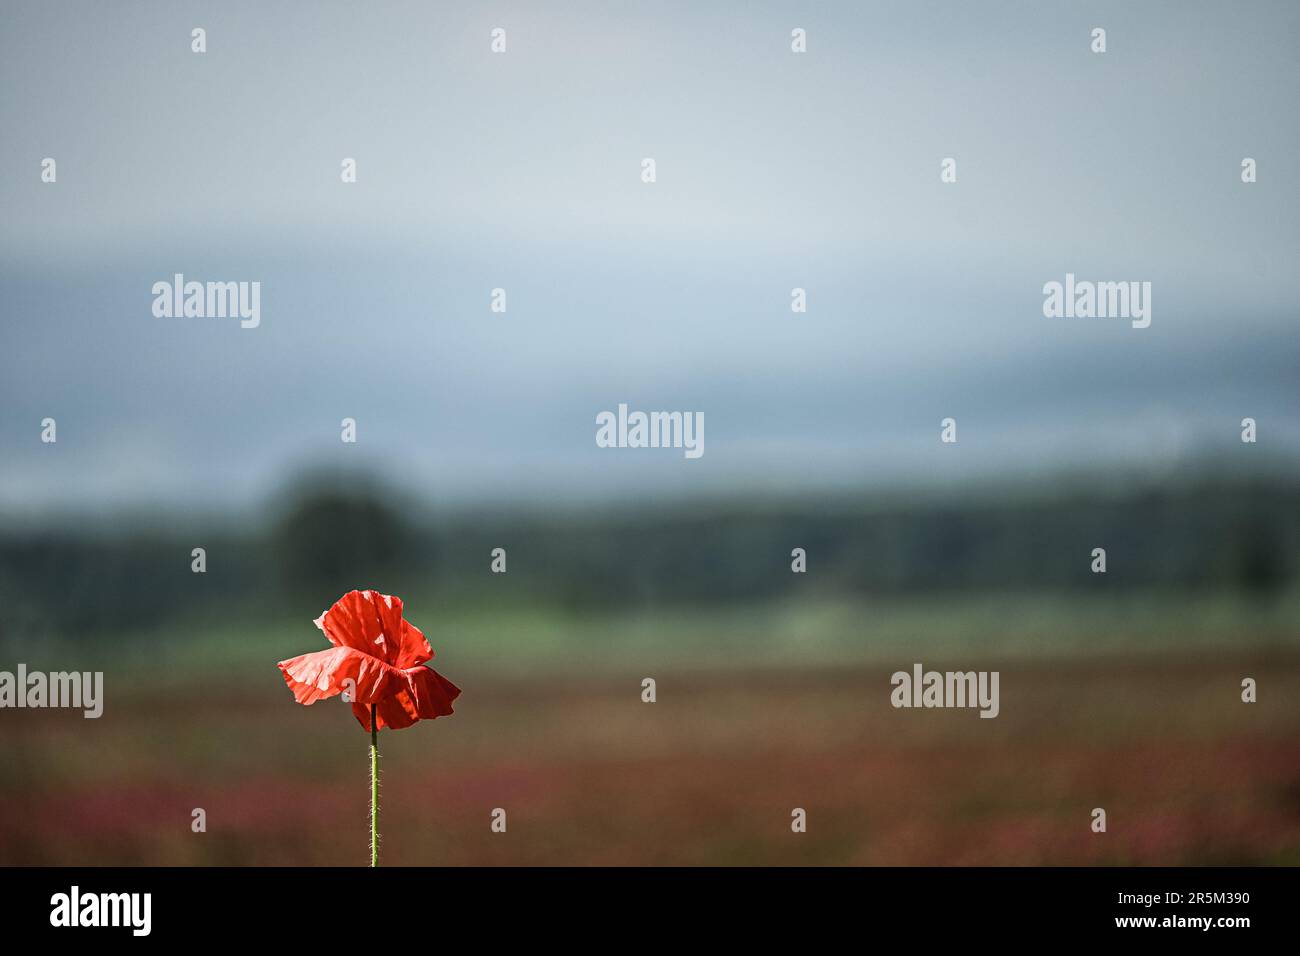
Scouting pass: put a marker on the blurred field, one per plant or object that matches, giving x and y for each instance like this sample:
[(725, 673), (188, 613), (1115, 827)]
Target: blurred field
[(589, 774), (1119, 690)]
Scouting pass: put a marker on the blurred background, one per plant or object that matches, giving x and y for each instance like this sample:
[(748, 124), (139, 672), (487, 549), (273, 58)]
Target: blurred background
[(475, 429)]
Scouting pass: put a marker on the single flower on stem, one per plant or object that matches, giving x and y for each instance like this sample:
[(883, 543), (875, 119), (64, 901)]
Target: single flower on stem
[(377, 663)]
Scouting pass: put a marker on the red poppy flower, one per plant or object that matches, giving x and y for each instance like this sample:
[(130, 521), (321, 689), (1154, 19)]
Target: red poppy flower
[(377, 658)]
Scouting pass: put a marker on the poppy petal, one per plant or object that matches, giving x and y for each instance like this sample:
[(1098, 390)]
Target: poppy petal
[(323, 674), (431, 692), (414, 648), (395, 712), (426, 695), (368, 621)]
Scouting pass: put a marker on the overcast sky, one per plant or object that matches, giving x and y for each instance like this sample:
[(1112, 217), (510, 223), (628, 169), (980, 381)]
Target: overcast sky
[(522, 171)]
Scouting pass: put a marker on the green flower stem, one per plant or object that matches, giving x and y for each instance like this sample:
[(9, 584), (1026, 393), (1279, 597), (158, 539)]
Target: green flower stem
[(374, 789)]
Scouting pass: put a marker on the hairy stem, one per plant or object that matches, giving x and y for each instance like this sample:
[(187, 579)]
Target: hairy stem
[(374, 789)]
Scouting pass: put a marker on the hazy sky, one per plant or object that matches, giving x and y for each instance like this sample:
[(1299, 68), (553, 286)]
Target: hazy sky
[(522, 170)]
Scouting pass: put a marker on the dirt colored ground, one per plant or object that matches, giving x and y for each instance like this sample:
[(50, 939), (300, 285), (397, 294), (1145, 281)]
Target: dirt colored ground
[(709, 774)]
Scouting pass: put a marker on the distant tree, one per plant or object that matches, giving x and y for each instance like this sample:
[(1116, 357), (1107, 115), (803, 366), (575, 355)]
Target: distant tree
[(1262, 565), (333, 541)]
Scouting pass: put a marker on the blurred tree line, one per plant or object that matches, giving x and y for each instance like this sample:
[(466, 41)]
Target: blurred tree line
[(321, 540)]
